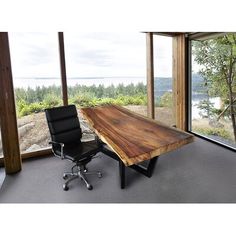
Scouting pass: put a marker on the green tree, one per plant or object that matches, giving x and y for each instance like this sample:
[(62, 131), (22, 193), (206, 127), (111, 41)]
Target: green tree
[(166, 100), (217, 58)]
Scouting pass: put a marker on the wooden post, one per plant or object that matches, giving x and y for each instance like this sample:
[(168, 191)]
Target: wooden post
[(150, 76), (63, 68), (180, 81), (10, 140)]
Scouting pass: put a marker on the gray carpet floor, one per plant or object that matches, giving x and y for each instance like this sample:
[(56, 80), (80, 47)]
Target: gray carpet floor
[(2, 176), (200, 172)]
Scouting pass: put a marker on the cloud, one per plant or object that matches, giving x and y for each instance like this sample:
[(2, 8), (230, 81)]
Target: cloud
[(94, 57), (88, 54), (37, 55), (34, 54), (162, 56)]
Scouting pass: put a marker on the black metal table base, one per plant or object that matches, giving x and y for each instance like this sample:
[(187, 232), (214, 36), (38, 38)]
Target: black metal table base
[(147, 171)]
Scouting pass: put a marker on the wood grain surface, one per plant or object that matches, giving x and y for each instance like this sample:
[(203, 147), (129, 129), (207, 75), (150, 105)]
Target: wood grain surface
[(133, 137)]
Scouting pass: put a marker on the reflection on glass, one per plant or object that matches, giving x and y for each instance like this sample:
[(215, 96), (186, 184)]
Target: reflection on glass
[(163, 82), (106, 68), (35, 67), (214, 88)]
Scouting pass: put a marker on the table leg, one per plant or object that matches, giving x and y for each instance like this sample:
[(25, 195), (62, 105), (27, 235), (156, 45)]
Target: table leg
[(122, 174), (147, 171)]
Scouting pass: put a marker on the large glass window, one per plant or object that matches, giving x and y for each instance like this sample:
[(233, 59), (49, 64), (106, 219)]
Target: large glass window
[(213, 88), (107, 68), (35, 67), (163, 82)]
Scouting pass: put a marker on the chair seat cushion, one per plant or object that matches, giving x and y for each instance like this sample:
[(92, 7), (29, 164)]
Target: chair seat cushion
[(81, 151)]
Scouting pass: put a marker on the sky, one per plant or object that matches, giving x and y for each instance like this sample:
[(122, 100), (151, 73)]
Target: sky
[(88, 54)]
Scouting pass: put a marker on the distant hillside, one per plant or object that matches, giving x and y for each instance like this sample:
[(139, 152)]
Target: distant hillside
[(162, 85)]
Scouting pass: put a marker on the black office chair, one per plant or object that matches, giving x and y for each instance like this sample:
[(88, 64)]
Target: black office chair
[(66, 134)]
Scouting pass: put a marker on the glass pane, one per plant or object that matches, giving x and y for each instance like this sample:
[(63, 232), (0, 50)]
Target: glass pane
[(35, 67), (163, 81), (214, 88), (107, 68)]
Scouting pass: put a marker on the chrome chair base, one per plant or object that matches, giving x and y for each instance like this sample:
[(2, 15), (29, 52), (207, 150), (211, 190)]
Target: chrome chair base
[(81, 172)]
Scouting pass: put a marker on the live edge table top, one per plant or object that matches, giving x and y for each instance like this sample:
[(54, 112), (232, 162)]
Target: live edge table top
[(134, 138)]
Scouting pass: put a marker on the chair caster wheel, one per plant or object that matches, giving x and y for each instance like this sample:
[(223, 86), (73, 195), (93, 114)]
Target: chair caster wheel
[(99, 175), (65, 187), (65, 176), (89, 187)]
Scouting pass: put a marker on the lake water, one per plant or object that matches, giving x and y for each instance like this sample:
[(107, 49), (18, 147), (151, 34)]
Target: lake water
[(195, 110)]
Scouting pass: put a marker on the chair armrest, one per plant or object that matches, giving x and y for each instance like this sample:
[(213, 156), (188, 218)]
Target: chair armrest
[(53, 142), (61, 146)]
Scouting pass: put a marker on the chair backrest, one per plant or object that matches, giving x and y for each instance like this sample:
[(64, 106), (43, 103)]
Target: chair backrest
[(63, 124)]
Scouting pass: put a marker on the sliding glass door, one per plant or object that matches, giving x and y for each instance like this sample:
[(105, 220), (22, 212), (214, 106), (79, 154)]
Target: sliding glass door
[(213, 87)]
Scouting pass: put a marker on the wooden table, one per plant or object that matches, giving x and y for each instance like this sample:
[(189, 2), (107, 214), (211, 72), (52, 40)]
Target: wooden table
[(133, 138)]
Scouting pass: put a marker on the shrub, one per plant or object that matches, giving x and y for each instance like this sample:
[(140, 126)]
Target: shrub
[(36, 100), (28, 109), (83, 100), (51, 100), (87, 101), (166, 100), (103, 101), (131, 100), (214, 131)]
